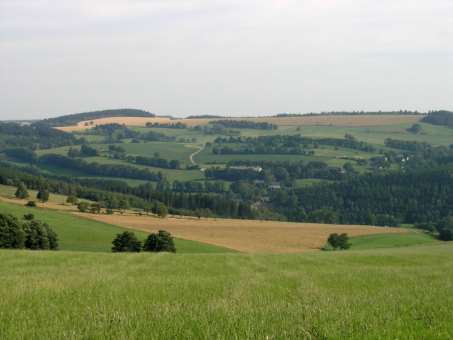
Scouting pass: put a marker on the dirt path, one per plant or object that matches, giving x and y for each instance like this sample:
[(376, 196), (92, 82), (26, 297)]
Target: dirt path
[(191, 157)]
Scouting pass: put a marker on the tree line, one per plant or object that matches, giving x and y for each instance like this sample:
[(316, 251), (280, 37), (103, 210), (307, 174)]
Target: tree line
[(443, 118), (73, 119), (284, 144), (34, 136), (97, 169), (244, 124)]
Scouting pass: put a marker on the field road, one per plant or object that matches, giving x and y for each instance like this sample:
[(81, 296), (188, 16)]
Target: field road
[(192, 155)]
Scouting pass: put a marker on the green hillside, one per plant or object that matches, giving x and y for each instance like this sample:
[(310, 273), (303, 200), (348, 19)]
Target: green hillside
[(79, 117), (79, 234)]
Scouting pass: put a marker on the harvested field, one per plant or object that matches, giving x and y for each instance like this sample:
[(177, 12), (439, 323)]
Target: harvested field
[(343, 120), (243, 235)]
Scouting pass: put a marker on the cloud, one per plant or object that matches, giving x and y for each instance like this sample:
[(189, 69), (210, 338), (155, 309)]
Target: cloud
[(226, 56)]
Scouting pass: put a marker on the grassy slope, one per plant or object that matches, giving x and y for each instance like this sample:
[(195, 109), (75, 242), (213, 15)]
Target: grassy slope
[(9, 192), (391, 240), (78, 234), (398, 293)]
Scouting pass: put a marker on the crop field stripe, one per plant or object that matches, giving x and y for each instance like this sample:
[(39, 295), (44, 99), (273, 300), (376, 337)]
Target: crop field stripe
[(252, 236), (340, 120)]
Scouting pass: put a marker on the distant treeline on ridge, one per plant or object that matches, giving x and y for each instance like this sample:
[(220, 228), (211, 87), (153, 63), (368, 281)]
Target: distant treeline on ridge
[(79, 117)]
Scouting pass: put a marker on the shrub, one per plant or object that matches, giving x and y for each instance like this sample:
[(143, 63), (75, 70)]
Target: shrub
[(415, 128), (445, 229), (126, 242), (43, 195), (336, 241), (95, 208), (29, 217), (83, 206), (12, 234), (31, 204), (21, 191), (72, 200), (160, 209), (162, 241), (446, 235)]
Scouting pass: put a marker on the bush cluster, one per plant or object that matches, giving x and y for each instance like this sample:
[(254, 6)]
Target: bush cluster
[(27, 233), (337, 242), (162, 241)]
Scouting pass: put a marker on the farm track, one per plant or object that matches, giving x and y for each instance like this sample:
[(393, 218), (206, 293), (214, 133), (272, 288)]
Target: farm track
[(192, 155)]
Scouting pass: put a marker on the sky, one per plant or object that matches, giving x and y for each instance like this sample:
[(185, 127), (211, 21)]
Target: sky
[(230, 57)]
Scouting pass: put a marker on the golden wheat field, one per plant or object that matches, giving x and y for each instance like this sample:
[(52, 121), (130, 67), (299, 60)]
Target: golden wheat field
[(249, 236), (340, 120)]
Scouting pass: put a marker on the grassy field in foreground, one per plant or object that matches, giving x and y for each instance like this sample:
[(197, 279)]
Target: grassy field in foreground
[(413, 238), (79, 234), (399, 293)]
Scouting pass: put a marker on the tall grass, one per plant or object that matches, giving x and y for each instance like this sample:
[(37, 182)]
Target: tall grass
[(400, 293)]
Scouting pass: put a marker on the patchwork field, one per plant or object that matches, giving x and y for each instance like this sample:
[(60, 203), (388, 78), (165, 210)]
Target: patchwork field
[(243, 235), (250, 236), (339, 120)]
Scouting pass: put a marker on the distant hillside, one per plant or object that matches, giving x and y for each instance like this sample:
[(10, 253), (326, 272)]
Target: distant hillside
[(79, 117), (444, 118), (205, 117), (350, 113)]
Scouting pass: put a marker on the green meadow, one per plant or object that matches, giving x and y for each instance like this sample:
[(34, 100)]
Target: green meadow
[(80, 234), (412, 238), (399, 293)]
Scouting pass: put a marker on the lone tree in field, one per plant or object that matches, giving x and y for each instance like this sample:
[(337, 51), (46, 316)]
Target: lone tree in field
[(43, 195), (126, 242), (160, 209), (162, 241), (21, 191), (337, 241)]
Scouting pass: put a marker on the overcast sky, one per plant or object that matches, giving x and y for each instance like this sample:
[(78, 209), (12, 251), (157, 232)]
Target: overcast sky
[(224, 56)]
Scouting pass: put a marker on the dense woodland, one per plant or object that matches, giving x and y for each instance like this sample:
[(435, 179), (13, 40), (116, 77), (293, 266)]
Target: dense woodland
[(444, 118), (34, 136), (244, 124), (283, 144)]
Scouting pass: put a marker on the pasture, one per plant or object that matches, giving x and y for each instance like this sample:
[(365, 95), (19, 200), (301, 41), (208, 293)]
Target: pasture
[(399, 293), (251, 236), (80, 234)]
